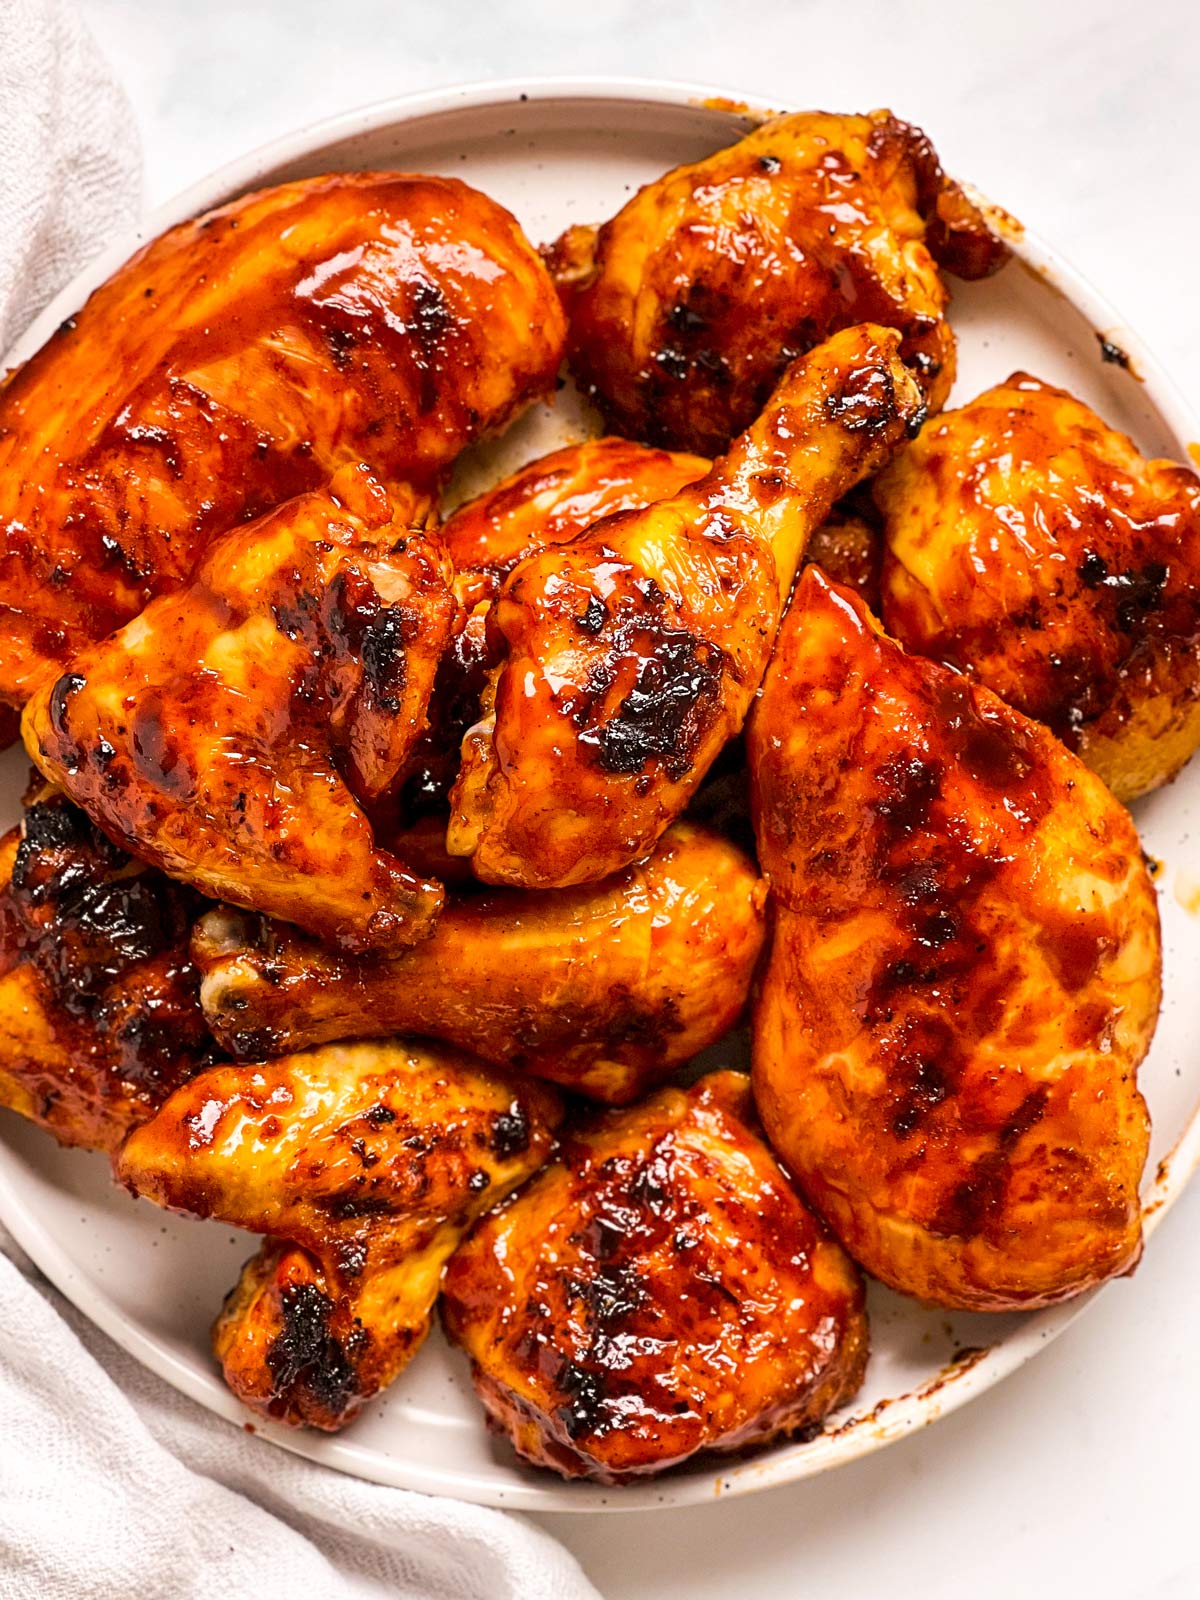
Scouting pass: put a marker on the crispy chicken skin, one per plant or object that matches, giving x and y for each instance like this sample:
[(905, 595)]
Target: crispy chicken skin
[(605, 988), (634, 651), (552, 499), (660, 1289), (1030, 543), (224, 734), (99, 1000), (547, 502), (241, 359), (364, 1165), (686, 307), (964, 976)]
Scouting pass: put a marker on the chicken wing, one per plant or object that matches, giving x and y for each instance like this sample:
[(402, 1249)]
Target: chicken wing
[(224, 734), (99, 1001), (659, 1290), (964, 977), (605, 989), (634, 651), (364, 1165), (241, 359), (686, 307), (1031, 544)]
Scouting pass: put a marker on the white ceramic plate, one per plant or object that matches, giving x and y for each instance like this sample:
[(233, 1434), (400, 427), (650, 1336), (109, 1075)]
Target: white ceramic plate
[(556, 153)]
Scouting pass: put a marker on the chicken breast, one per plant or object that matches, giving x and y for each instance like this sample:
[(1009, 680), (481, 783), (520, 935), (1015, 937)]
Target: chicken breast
[(1030, 544), (964, 977), (242, 359), (659, 1290)]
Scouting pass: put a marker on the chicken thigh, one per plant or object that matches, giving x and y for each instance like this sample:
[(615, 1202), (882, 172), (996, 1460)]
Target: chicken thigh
[(686, 307), (634, 651), (546, 502), (227, 734), (659, 1290), (99, 1000), (964, 977), (364, 1165), (1030, 544), (241, 359)]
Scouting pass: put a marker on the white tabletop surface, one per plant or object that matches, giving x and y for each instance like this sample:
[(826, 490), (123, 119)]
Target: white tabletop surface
[(1078, 1475)]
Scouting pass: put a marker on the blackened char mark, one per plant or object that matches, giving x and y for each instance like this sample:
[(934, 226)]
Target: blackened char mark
[(592, 1384), (667, 712), (908, 786), (511, 1132), (866, 401), (306, 1356), (384, 664)]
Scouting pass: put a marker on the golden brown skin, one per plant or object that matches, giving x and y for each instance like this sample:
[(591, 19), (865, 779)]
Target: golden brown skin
[(605, 989), (364, 1165), (686, 307), (224, 734), (241, 359), (634, 651), (1029, 543), (964, 977), (552, 499), (546, 502), (659, 1290), (99, 999)]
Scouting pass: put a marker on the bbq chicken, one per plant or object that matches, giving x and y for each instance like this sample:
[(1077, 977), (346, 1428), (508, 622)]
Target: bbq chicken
[(552, 499), (964, 977), (686, 307), (1030, 544), (228, 734), (99, 1000), (660, 1289), (634, 651), (546, 502), (605, 989), (241, 359), (364, 1165)]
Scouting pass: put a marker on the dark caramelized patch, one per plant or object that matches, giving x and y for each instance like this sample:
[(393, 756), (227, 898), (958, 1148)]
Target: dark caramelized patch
[(980, 1196), (305, 1354), (511, 1132), (108, 938), (867, 401), (665, 714)]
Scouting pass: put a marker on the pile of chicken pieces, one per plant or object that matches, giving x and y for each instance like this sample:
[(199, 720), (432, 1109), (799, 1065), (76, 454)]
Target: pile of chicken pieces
[(383, 872)]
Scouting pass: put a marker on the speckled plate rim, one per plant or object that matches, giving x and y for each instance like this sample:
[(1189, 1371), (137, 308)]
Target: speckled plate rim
[(957, 1383)]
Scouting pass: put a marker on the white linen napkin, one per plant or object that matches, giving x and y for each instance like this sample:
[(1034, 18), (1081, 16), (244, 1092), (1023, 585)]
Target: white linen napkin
[(70, 162), (111, 1483)]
